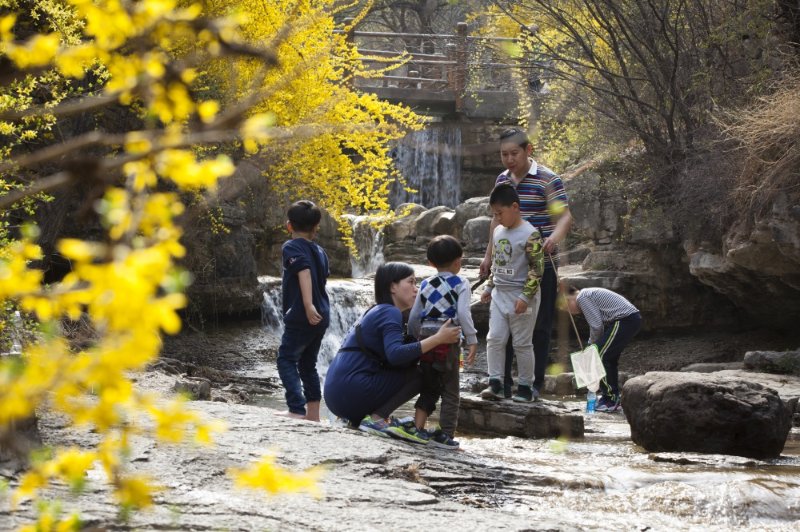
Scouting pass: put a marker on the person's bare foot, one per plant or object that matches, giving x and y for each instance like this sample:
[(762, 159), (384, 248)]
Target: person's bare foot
[(292, 415), (312, 411)]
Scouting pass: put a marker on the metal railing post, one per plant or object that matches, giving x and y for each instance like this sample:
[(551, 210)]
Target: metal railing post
[(460, 77)]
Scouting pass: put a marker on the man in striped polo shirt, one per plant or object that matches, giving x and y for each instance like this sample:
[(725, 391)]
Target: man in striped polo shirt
[(613, 322), (544, 203)]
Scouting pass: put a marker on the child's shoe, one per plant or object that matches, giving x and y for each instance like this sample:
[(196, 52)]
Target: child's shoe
[(494, 392), (525, 394), (374, 427), (409, 432), (443, 440), (608, 404)]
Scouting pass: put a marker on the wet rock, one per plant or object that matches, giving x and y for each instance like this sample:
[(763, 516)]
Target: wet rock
[(469, 210), (433, 220), (199, 389), (563, 384), (475, 234), (17, 440), (715, 461), (787, 386), (706, 413), (480, 312), (473, 382), (784, 362), (711, 367), (541, 419)]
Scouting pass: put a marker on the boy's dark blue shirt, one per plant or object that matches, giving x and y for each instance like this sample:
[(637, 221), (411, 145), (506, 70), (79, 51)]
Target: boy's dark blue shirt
[(300, 254)]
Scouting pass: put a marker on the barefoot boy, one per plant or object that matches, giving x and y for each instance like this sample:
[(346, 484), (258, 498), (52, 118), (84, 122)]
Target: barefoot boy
[(306, 311)]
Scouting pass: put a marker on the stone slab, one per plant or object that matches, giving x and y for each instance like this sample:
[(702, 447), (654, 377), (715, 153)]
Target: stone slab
[(540, 419)]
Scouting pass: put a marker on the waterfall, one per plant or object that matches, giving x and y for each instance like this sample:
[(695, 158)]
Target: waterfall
[(369, 243), (349, 299), (430, 162)]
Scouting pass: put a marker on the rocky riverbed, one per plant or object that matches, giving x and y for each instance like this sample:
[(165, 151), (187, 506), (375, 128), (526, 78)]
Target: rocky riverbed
[(602, 480), (505, 483)]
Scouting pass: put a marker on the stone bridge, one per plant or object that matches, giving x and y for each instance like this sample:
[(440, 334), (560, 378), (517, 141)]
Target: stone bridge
[(443, 75)]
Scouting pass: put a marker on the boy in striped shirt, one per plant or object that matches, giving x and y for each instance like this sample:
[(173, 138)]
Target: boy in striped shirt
[(613, 322)]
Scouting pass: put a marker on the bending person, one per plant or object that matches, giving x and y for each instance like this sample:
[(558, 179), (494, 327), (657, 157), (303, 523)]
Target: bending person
[(374, 372)]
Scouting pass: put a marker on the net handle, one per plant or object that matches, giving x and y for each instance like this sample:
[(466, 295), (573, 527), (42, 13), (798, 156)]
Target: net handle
[(571, 319)]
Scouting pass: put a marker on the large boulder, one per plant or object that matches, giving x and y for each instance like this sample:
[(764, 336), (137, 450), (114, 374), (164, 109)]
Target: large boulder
[(475, 234), (705, 413), (435, 221), (470, 209)]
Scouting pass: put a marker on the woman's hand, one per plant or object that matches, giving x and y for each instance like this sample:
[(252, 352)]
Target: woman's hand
[(448, 333)]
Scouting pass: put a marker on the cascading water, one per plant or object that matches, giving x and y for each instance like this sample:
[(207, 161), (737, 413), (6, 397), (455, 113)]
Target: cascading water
[(369, 243), (348, 298), (430, 162)]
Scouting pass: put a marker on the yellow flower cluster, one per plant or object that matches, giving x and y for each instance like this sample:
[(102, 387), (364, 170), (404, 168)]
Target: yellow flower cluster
[(344, 165), (266, 475), (126, 286)]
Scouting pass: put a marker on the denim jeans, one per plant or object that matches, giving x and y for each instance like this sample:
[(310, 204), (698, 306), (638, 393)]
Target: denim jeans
[(297, 366)]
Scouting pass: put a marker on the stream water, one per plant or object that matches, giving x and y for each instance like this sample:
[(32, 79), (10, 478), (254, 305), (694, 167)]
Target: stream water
[(602, 480)]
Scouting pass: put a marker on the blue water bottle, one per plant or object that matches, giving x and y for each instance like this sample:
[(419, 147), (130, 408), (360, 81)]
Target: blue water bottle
[(591, 401)]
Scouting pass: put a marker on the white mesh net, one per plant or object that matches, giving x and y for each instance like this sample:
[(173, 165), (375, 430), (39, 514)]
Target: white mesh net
[(588, 368)]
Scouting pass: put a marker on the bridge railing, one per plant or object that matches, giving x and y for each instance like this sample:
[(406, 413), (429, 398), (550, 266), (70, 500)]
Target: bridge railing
[(454, 63)]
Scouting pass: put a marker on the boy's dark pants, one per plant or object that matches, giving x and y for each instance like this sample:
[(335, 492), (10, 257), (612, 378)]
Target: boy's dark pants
[(297, 366), (441, 382), (615, 337), (541, 332)]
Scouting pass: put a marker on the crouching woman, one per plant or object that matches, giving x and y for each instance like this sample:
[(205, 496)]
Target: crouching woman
[(374, 372)]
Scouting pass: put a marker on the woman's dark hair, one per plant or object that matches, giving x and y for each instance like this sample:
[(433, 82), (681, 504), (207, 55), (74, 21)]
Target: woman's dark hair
[(391, 272)]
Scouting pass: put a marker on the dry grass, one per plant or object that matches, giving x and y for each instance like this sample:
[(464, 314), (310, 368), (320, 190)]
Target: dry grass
[(769, 134)]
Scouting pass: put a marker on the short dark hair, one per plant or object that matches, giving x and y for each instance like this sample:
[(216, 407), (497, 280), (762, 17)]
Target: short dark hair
[(391, 272), (443, 250), (504, 195), (515, 135), (304, 215)]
